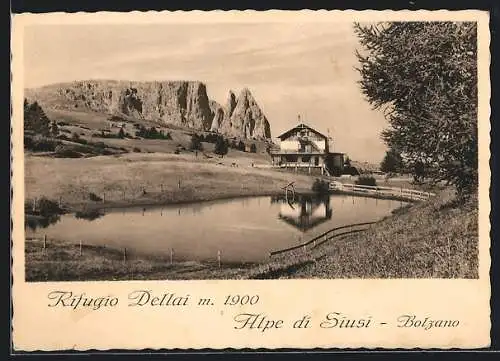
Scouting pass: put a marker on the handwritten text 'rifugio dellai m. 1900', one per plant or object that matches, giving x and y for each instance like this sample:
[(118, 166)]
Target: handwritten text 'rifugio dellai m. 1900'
[(247, 313)]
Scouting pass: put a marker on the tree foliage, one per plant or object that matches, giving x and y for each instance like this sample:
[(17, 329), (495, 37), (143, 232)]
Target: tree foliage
[(392, 162), (35, 119), (221, 146), (195, 142), (424, 76), (54, 129)]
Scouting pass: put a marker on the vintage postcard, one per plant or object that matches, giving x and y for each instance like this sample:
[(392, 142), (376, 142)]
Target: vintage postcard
[(244, 179)]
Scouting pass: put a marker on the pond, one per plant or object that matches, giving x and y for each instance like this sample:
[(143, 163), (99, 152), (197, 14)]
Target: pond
[(242, 229)]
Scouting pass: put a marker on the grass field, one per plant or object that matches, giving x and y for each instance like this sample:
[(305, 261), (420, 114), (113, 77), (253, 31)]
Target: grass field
[(62, 261), (122, 179)]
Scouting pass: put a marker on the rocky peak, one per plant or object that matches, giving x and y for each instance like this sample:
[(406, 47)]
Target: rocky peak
[(231, 103), (246, 119), (182, 103)]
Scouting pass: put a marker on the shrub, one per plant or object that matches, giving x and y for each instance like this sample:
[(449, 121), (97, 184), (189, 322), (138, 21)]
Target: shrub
[(65, 151), (94, 197), (151, 133), (40, 144), (80, 141), (89, 214), (320, 186), (63, 137), (221, 146), (195, 142), (47, 208), (366, 181), (351, 170), (28, 142), (136, 150), (98, 145), (253, 148)]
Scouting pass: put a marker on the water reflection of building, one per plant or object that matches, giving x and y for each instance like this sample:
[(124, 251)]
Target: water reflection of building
[(304, 213)]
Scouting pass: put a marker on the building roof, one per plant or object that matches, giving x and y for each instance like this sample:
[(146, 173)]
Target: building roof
[(300, 127)]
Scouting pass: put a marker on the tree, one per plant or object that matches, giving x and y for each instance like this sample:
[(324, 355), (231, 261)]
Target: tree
[(392, 162), (221, 146), (54, 129), (195, 143), (418, 172), (121, 133), (424, 76), (35, 118), (253, 148)]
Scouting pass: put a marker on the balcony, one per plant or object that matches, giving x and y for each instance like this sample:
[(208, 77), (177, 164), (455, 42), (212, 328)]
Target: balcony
[(298, 151)]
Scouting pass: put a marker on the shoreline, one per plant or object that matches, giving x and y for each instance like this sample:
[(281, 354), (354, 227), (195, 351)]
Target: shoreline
[(148, 202), (61, 261)]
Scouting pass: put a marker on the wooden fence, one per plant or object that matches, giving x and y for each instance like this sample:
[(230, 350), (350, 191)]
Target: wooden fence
[(326, 236), (411, 194)]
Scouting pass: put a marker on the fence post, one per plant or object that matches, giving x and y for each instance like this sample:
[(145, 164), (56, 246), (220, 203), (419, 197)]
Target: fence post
[(305, 248), (60, 202), (171, 255), (44, 243), (34, 204), (218, 257), (80, 248), (103, 197)]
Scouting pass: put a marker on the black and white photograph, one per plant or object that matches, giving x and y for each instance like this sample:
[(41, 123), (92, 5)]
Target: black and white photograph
[(196, 180), (252, 150)]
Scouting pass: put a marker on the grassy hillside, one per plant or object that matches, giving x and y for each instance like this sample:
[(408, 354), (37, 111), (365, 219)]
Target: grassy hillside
[(131, 174)]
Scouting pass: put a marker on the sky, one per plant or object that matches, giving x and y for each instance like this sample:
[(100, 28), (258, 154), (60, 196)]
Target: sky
[(291, 68)]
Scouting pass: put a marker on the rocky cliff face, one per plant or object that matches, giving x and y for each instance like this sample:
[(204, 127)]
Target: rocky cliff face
[(183, 103), (240, 117)]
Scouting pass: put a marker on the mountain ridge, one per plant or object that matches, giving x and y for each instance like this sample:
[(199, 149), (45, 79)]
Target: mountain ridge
[(176, 102)]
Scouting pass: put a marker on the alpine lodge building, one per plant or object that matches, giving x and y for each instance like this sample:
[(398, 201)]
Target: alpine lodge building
[(304, 149)]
